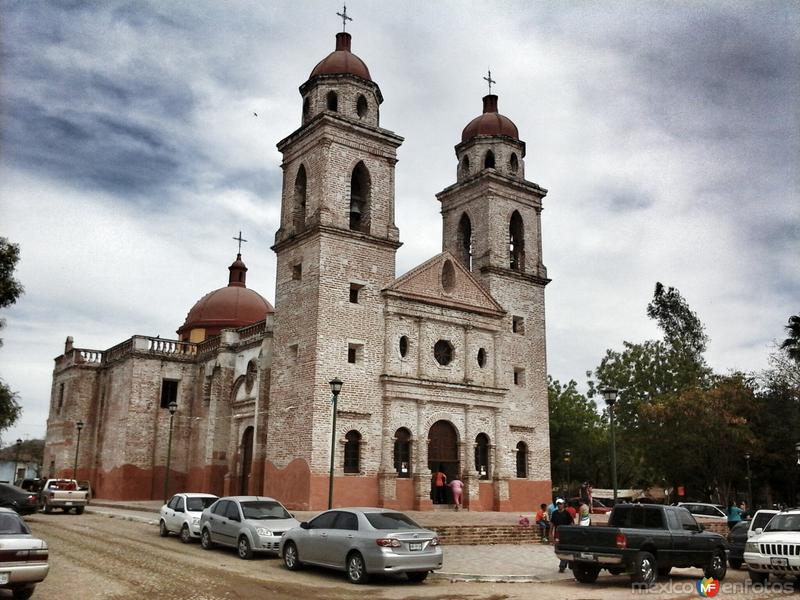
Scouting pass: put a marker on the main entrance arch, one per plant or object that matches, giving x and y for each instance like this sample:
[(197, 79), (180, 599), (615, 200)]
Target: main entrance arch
[(247, 461), (443, 449)]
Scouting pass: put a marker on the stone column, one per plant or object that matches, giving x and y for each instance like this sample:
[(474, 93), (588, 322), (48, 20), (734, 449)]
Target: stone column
[(422, 474), (500, 476)]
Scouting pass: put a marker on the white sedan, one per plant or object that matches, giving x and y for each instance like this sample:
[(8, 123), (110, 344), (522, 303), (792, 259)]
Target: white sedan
[(181, 515)]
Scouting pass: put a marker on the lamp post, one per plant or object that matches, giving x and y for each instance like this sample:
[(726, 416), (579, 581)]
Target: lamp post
[(567, 454), (16, 461), (610, 396), (78, 426), (336, 387), (173, 406), (749, 484)]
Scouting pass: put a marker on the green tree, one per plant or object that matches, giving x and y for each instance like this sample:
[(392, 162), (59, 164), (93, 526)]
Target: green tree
[(10, 290), (792, 343)]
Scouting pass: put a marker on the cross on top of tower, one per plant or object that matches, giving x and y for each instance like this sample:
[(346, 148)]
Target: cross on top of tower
[(240, 239), (345, 18), (489, 80)]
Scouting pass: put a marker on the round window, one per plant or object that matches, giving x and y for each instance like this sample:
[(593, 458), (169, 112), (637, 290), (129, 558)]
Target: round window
[(403, 346), (481, 358), (443, 352)]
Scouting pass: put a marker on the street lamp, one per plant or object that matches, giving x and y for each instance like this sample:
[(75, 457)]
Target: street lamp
[(336, 387), (610, 396), (16, 461), (78, 426), (567, 454), (173, 406), (747, 458)]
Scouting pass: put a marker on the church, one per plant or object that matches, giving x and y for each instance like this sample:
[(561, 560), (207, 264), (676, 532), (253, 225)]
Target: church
[(443, 368)]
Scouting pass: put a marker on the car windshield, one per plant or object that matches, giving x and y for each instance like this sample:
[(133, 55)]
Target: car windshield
[(12, 524), (61, 484), (264, 509), (391, 521), (761, 519), (784, 523), (198, 504)]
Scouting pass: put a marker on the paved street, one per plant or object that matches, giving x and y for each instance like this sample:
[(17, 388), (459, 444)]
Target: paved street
[(97, 557)]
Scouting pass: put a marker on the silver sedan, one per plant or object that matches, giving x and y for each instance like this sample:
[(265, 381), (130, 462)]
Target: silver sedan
[(361, 542), (24, 557)]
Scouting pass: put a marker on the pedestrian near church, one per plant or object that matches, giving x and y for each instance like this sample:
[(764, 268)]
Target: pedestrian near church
[(439, 487), (584, 514), (456, 488), (734, 515), (573, 512), (542, 519), (560, 517)]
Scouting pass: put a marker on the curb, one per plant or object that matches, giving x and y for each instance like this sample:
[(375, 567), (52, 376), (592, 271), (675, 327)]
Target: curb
[(133, 518), (472, 578), (131, 507)]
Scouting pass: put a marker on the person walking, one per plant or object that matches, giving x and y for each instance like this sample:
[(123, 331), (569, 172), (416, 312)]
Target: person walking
[(560, 517), (543, 521), (456, 488), (573, 512), (439, 487), (734, 515), (584, 514)]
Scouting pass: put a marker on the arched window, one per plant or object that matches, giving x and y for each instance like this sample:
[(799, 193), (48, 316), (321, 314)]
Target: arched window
[(465, 241), (305, 109), (352, 452), (333, 101), (465, 166), (300, 200), (482, 455), (402, 452), (522, 460), (362, 108), (448, 276), (360, 198), (488, 161), (513, 163), (516, 243)]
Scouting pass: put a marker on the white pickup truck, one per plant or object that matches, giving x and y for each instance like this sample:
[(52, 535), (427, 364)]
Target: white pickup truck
[(64, 494)]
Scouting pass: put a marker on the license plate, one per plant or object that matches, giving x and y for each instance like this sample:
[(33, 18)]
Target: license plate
[(586, 556), (416, 546), (3, 578), (780, 562), (68, 503)]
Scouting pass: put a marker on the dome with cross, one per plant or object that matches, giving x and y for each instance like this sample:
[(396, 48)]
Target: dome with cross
[(341, 61), (490, 123)]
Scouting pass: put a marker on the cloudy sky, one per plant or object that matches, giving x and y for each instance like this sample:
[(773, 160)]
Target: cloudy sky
[(667, 134)]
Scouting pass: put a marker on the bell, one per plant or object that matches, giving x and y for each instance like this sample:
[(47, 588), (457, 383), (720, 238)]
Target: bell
[(355, 207)]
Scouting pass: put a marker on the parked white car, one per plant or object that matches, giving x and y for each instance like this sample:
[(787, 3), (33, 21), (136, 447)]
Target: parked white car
[(182, 513), (776, 550), (705, 510)]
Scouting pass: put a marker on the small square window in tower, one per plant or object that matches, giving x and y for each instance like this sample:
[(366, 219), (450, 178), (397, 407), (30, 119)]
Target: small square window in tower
[(355, 292), (518, 325), (355, 353), (297, 272), (519, 377), (169, 392)]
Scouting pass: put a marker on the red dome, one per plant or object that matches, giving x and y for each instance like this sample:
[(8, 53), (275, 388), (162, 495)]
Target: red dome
[(229, 307), (342, 61), (490, 123)]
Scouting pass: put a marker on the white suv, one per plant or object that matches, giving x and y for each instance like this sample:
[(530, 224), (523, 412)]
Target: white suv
[(777, 549)]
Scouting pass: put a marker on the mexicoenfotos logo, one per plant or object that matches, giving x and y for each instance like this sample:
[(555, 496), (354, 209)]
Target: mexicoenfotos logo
[(708, 587)]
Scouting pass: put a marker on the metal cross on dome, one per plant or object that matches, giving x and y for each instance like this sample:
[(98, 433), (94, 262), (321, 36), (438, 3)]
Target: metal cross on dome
[(489, 80), (344, 16), (240, 239)]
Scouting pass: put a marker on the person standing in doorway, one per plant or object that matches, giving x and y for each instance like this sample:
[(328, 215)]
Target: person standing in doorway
[(456, 488), (439, 487), (560, 517)]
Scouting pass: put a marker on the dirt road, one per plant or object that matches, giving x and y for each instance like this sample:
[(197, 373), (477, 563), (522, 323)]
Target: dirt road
[(96, 557)]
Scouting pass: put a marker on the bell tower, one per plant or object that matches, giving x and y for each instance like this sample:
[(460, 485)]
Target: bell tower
[(335, 251), (492, 224)]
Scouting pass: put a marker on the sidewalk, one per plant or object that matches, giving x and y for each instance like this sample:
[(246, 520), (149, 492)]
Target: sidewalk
[(522, 563)]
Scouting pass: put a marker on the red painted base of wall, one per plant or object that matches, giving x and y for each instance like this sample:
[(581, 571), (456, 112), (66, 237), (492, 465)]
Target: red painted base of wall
[(526, 495)]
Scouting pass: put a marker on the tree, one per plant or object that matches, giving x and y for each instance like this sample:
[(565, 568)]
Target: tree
[(10, 290), (792, 343)]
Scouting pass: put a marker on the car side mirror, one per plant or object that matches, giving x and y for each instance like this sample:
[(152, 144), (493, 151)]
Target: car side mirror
[(179, 510), (304, 525), (759, 530), (236, 518)]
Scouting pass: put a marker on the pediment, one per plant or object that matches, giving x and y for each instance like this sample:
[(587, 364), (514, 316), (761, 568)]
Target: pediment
[(444, 281)]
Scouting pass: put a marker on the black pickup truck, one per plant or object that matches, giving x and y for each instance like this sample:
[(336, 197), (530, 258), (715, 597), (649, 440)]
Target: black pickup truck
[(645, 540)]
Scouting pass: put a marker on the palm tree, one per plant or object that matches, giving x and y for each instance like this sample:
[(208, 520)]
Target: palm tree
[(792, 343)]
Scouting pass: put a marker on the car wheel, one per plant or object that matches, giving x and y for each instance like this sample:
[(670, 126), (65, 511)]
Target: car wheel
[(644, 569), (186, 535), (417, 576), (585, 573), (79, 510), (205, 540), (244, 549), (735, 563), (290, 557), (46, 507), (758, 577), (717, 567), (356, 570), (22, 593), (162, 528)]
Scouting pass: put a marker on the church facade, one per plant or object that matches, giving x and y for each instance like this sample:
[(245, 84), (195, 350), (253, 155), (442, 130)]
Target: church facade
[(443, 368)]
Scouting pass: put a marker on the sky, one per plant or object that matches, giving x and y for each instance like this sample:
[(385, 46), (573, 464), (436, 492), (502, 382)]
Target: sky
[(666, 133)]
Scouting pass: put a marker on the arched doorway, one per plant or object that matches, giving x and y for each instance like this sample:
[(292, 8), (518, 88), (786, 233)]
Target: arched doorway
[(247, 461), (443, 450)]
